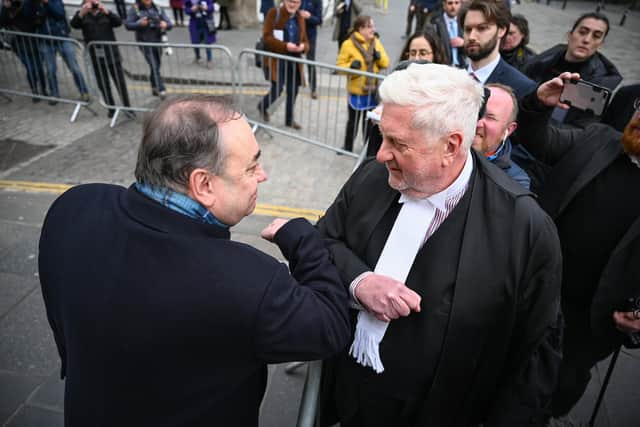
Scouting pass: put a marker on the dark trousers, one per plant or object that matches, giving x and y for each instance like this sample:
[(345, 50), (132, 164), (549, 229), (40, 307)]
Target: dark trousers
[(153, 56), (27, 50), (352, 126), (224, 16), (289, 77), (105, 64), (580, 352), (311, 55), (422, 19), (121, 7), (202, 34), (410, 16), (375, 140), (178, 15)]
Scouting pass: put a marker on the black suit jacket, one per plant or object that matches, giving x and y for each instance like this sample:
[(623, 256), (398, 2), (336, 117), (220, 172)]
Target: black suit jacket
[(442, 32), (498, 361), (510, 76), (161, 320), (577, 156)]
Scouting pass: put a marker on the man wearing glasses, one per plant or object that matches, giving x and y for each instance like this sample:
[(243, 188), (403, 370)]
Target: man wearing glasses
[(591, 192)]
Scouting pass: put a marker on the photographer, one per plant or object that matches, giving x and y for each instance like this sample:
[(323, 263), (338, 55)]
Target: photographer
[(97, 23), (26, 48), (50, 19), (201, 26), (150, 22), (590, 193)]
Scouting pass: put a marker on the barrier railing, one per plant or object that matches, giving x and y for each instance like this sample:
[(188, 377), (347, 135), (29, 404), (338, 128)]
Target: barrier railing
[(133, 76), (44, 68), (321, 110)]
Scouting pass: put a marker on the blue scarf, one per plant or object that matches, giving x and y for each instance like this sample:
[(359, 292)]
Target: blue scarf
[(180, 203)]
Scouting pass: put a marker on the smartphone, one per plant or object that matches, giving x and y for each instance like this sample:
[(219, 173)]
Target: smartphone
[(585, 96)]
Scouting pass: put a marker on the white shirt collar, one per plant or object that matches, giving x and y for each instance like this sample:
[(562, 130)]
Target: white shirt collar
[(483, 73), (634, 159), (438, 200)]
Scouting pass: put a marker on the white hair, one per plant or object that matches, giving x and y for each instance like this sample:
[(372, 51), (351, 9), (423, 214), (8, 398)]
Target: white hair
[(444, 99)]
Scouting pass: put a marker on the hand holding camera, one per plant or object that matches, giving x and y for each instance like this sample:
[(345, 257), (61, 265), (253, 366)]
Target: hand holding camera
[(627, 320)]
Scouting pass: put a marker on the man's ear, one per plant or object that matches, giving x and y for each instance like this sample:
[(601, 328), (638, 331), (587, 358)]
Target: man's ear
[(502, 32), (511, 128), (452, 147), (201, 187)]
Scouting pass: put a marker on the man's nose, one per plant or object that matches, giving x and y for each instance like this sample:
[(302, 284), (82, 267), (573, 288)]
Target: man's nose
[(384, 154), (262, 174)]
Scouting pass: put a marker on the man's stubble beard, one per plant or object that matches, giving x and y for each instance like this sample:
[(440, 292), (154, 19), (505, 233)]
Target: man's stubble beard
[(484, 51)]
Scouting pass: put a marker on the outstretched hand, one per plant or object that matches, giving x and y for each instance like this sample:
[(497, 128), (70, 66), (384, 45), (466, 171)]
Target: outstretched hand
[(269, 232), (549, 92)]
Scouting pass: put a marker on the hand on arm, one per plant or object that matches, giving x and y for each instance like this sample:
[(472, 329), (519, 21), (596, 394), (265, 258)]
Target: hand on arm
[(269, 232), (386, 298)]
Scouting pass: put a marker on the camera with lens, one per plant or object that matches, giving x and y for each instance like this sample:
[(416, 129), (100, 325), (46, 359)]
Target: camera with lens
[(95, 5), (154, 23), (632, 339)]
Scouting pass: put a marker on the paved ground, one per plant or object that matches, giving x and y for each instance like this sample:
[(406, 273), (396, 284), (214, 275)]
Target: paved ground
[(38, 144)]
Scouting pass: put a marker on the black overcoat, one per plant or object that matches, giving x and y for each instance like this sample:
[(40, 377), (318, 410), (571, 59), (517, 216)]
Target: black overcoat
[(500, 354)]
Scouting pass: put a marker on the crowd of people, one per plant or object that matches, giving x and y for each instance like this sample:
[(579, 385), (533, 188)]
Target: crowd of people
[(148, 20), (472, 271)]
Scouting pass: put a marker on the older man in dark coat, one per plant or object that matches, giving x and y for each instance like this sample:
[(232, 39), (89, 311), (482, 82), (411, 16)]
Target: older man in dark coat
[(453, 267), (160, 319)]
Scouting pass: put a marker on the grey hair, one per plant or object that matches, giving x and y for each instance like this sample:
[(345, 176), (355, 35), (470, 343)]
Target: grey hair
[(444, 99), (181, 135)]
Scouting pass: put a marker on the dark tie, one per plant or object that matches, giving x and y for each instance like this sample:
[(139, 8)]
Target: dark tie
[(474, 77)]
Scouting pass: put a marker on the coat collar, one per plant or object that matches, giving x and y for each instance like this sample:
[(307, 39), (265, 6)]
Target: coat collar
[(153, 215)]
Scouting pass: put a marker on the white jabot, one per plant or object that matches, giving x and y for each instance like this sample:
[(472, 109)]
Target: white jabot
[(483, 73), (416, 222)]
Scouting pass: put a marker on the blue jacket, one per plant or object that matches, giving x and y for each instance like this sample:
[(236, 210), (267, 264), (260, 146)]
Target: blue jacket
[(315, 8), (52, 18), (510, 76), (506, 163)]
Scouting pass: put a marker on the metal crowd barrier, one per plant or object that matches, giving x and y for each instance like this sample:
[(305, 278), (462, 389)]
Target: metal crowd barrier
[(44, 68), (134, 76), (323, 120)]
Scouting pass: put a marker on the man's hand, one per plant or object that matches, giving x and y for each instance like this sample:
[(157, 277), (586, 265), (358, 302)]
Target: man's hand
[(386, 298), (86, 8), (163, 25), (305, 14), (628, 321), (412, 8), (456, 41), (270, 230), (144, 22), (549, 92), (292, 47)]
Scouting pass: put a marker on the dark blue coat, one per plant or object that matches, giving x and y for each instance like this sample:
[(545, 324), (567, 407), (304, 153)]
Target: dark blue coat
[(52, 18), (315, 8), (161, 320), (510, 76)]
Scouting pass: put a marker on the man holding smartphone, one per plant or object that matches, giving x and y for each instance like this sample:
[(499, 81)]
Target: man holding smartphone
[(590, 194)]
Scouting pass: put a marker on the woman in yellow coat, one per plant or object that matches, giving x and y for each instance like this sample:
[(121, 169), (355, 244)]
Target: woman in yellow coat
[(361, 51)]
